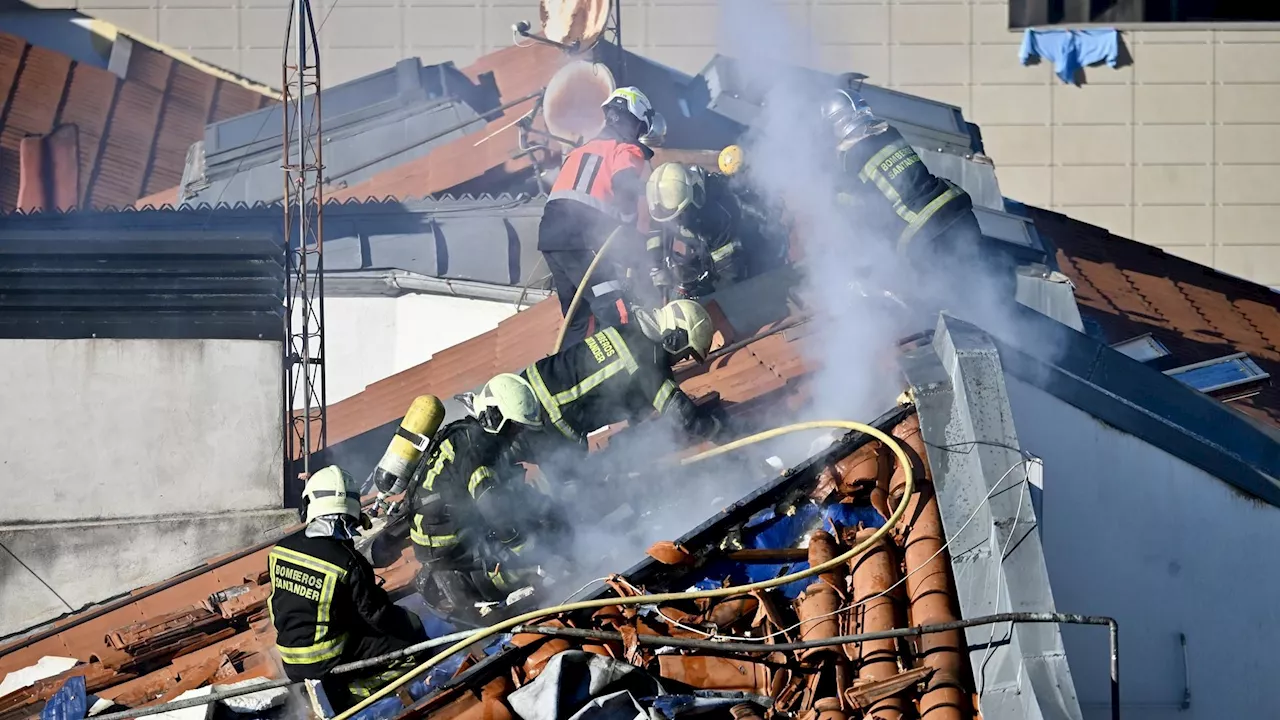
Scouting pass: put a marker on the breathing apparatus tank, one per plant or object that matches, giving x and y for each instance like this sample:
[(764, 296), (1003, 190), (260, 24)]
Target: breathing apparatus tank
[(411, 439)]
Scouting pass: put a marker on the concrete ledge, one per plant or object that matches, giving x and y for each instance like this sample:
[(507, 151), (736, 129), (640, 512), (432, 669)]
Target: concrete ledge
[(88, 562)]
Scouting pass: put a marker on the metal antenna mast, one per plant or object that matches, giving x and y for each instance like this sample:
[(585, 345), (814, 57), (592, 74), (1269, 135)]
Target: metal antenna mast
[(302, 160)]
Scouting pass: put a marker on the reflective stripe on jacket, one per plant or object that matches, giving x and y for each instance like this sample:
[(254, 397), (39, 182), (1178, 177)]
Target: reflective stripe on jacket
[(888, 169), (587, 175)]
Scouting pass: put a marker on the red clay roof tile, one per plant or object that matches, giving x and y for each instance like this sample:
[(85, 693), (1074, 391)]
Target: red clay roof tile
[(1131, 289), (517, 72), (148, 120)]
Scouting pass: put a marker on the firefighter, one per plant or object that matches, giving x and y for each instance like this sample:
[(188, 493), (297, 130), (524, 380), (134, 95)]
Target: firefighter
[(724, 237), (326, 603), (478, 528), (597, 192), (624, 373), (889, 188)]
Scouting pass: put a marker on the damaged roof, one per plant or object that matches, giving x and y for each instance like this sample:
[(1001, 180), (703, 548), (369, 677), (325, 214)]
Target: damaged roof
[(74, 134)]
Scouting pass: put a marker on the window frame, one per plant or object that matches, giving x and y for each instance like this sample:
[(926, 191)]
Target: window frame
[(1258, 377), (1151, 340)]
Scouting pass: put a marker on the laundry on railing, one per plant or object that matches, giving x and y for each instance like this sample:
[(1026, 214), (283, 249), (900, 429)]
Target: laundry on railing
[(1071, 50)]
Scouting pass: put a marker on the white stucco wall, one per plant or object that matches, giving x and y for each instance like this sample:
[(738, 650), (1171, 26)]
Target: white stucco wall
[(104, 429), (1165, 548), (125, 462), (370, 338)]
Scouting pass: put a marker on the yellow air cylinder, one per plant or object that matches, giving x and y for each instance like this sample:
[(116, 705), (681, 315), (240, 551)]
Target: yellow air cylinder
[(411, 439)]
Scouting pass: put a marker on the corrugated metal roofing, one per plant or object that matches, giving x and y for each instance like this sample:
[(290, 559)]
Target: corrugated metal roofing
[(98, 282), (132, 133), (490, 240)]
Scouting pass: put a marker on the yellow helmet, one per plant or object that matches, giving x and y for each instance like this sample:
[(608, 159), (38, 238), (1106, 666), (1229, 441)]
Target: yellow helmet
[(730, 160), (672, 188), (507, 397), (686, 327), (331, 491)]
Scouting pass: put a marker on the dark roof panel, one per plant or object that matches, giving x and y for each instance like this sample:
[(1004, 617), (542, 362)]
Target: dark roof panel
[(1131, 289)]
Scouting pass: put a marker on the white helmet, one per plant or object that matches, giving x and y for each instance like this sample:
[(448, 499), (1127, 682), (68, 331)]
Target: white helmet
[(331, 491), (634, 103), (507, 397), (656, 133), (686, 327), (672, 187)]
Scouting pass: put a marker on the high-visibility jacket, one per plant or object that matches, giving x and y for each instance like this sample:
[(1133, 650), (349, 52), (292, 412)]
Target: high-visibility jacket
[(614, 375), (894, 193), (324, 595), (587, 176), (471, 501)]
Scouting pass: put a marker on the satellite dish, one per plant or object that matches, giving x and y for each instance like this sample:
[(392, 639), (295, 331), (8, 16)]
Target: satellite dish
[(571, 104), (569, 21)]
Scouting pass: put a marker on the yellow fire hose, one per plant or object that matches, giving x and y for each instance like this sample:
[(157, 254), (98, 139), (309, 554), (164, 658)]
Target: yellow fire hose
[(484, 633), (582, 286)]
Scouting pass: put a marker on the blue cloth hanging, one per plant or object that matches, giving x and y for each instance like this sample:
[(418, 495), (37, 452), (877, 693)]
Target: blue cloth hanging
[(1071, 50)]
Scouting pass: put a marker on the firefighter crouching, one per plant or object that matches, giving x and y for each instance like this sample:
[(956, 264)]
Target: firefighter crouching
[(889, 189), (598, 191), (478, 528), (724, 237), (326, 604), (622, 373)]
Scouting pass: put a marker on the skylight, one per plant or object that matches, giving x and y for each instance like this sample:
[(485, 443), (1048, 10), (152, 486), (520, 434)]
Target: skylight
[(1231, 371), (1143, 348)]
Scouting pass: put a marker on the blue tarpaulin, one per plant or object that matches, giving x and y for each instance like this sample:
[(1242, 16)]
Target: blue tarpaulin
[(70, 702), (766, 530)]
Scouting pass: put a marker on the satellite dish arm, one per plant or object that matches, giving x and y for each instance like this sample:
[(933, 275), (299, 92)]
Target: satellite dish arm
[(522, 29)]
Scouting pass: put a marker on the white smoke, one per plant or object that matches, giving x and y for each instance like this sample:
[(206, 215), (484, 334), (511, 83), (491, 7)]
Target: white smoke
[(863, 296)]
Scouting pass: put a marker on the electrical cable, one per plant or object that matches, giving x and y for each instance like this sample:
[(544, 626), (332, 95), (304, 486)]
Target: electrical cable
[(890, 442), (582, 286), (762, 638), (36, 575), (1004, 553)]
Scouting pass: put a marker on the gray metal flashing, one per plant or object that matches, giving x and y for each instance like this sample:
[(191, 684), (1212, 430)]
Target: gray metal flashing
[(977, 178), (483, 240), (1049, 293), (353, 101), (395, 283), (1145, 403), (980, 475), (352, 155), (1018, 234), (933, 125), (100, 282)]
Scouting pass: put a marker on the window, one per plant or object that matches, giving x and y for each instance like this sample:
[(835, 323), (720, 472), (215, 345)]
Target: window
[(1234, 375), (1038, 13), (1143, 348)]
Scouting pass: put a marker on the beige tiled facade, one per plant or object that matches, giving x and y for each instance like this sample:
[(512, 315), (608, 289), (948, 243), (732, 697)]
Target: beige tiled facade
[(1180, 149)]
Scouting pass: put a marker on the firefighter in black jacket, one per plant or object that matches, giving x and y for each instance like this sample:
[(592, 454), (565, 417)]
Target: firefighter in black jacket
[(624, 373), (478, 528), (724, 237), (326, 604), (597, 192), (890, 189)]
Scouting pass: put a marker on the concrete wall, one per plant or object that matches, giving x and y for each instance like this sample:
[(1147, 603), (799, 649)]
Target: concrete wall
[(1165, 548), (1181, 149), (371, 338), (127, 461)]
